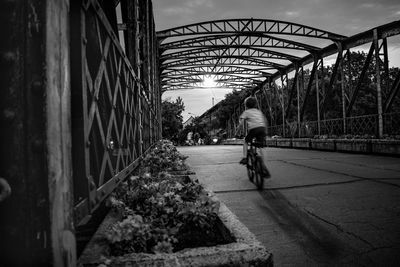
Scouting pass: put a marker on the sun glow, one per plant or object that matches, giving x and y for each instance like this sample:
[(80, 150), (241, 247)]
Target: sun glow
[(208, 81)]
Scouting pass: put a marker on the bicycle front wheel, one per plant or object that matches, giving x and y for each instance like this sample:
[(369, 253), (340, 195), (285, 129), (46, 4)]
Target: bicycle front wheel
[(258, 173), (250, 166)]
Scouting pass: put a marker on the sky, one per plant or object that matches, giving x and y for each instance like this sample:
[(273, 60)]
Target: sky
[(346, 17)]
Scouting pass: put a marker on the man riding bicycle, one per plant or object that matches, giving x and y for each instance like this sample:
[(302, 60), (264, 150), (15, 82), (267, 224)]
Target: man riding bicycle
[(256, 122)]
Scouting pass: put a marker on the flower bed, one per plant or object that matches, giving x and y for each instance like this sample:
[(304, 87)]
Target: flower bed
[(165, 215), (271, 142), (388, 147), (353, 145), (301, 143), (323, 144), (284, 142)]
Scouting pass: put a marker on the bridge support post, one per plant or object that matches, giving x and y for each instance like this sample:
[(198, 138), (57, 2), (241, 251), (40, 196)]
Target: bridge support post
[(342, 87), (317, 95), (36, 225), (298, 100), (378, 84), (282, 98)]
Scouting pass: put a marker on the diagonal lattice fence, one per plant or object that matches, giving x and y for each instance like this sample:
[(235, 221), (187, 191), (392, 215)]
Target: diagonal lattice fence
[(116, 118)]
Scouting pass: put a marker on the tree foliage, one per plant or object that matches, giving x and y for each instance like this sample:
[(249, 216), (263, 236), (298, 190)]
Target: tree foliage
[(172, 119), (228, 105)]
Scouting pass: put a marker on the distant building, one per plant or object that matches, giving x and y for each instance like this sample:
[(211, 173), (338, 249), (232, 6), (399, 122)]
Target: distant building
[(188, 122)]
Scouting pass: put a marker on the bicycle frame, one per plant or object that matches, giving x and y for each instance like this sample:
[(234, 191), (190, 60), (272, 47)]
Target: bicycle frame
[(254, 164)]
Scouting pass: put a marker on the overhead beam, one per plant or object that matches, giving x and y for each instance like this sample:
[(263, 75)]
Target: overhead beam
[(384, 31)]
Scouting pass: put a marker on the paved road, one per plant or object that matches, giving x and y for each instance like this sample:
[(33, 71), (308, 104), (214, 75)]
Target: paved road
[(318, 209)]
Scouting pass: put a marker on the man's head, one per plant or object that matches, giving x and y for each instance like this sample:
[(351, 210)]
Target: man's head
[(251, 102)]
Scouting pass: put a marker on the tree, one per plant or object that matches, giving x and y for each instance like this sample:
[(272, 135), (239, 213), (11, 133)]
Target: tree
[(172, 119), (227, 106)]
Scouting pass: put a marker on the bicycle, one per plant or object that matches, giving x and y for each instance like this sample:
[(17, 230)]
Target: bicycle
[(256, 169)]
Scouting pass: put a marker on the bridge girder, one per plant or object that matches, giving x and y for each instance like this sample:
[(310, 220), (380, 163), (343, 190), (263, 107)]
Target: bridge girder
[(254, 43), (249, 25)]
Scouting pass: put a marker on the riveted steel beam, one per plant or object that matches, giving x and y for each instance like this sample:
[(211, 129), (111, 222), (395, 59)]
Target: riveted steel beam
[(249, 25)]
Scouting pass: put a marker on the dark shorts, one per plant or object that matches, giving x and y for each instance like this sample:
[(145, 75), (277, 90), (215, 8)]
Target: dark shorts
[(259, 133)]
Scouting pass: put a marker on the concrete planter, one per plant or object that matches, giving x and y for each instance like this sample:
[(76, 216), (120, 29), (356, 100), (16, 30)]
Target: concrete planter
[(232, 141), (270, 142), (284, 142), (353, 145), (246, 251), (323, 144), (304, 143), (389, 147), (376, 146)]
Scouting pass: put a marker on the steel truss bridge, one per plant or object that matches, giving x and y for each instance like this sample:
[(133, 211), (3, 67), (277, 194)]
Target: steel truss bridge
[(259, 55), (81, 101)]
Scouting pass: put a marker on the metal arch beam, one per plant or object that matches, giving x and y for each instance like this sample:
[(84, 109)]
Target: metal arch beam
[(219, 77), (226, 65), (181, 80), (230, 84), (241, 78), (235, 85), (235, 40), (188, 87), (182, 83), (227, 60), (222, 70), (384, 31), (236, 79), (234, 74), (249, 25), (217, 51)]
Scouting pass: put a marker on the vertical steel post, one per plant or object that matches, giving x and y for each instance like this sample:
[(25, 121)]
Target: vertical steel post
[(317, 95), (298, 99), (322, 86), (36, 226), (283, 107), (378, 84), (342, 86)]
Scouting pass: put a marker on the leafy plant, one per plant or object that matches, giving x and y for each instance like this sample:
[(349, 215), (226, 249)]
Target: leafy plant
[(161, 213)]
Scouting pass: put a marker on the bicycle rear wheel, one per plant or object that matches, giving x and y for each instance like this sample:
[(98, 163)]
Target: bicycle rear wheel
[(258, 173), (250, 166)]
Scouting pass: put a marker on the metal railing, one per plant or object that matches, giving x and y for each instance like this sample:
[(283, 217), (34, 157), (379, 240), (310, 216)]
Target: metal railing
[(117, 116), (356, 126)]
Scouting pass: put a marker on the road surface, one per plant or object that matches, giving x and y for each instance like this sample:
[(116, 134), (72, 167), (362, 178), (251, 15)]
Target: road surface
[(318, 209)]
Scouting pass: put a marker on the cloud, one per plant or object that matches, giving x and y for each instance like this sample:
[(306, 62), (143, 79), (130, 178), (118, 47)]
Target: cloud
[(200, 3), (177, 11), (368, 5), (292, 13)]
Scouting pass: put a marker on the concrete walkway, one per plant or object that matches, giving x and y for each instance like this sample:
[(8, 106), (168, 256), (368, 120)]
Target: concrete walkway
[(318, 209)]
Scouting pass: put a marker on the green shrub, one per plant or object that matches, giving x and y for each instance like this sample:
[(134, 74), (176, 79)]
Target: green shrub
[(160, 212)]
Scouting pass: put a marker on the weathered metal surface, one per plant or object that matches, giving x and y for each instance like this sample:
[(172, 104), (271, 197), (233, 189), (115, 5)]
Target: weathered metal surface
[(36, 219), (117, 117), (58, 134), (70, 117)]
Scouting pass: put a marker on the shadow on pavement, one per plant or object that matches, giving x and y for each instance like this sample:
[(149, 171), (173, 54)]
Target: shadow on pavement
[(316, 240)]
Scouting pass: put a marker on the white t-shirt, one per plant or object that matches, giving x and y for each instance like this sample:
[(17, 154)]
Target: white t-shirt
[(254, 117)]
